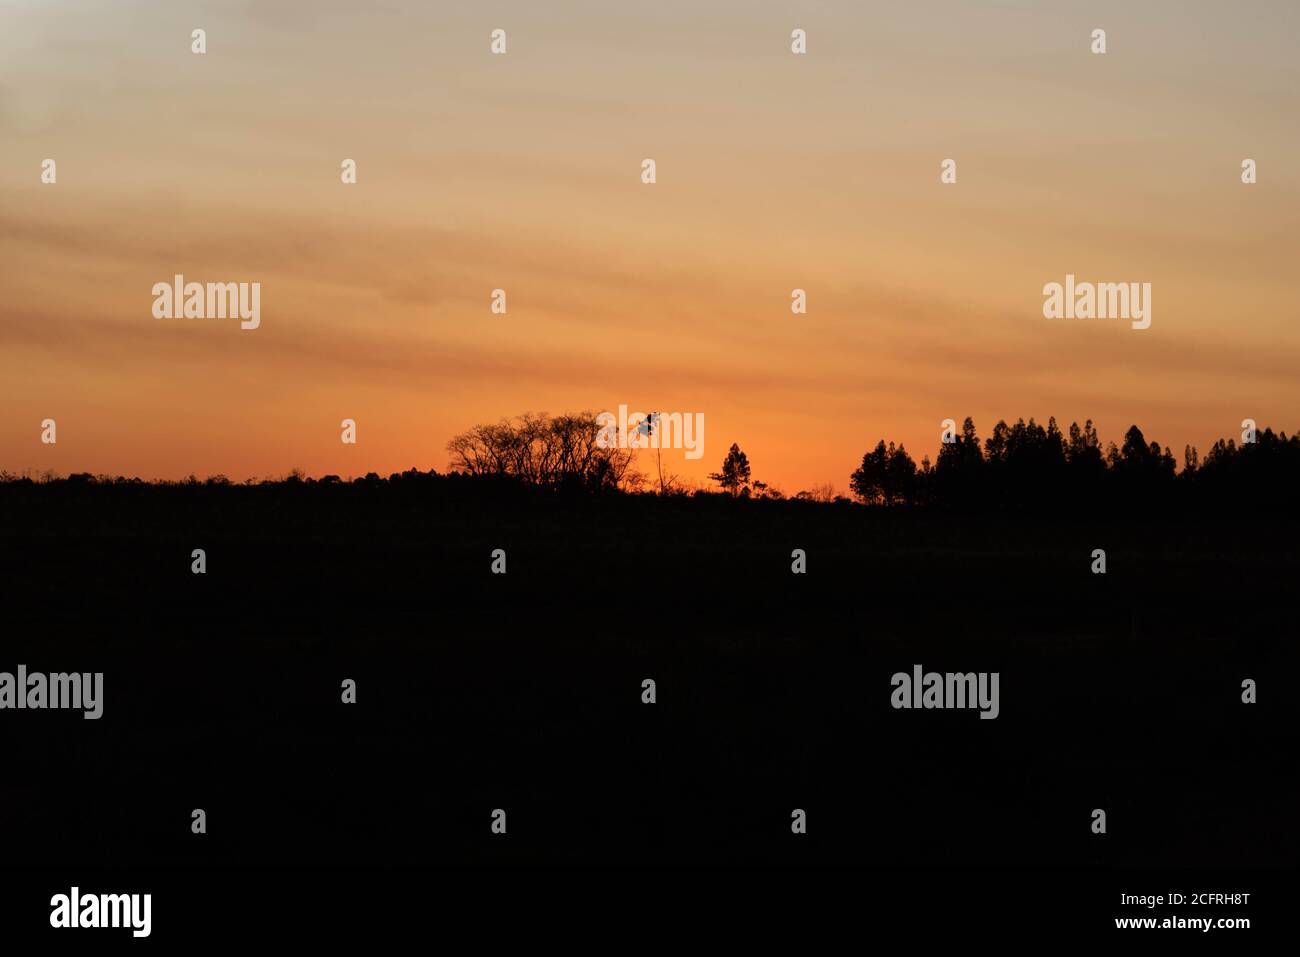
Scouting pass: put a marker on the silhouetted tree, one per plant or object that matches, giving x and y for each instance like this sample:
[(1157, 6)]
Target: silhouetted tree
[(868, 482), (1142, 468), (887, 476), (734, 476), (959, 469), (537, 449), (824, 492)]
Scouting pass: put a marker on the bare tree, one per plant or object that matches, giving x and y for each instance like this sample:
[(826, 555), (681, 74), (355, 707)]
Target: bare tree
[(543, 450)]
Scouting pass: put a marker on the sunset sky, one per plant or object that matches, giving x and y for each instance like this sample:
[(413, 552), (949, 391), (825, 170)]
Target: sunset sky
[(522, 171)]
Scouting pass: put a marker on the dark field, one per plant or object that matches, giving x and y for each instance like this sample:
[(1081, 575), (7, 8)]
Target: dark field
[(523, 691)]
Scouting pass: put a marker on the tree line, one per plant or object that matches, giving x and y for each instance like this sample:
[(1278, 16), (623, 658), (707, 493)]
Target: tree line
[(1023, 464), (1029, 463)]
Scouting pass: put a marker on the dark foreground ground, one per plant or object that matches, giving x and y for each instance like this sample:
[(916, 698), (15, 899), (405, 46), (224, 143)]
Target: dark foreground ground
[(523, 691)]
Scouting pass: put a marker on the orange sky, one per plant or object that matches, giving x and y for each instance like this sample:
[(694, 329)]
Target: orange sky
[(521, 171)]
